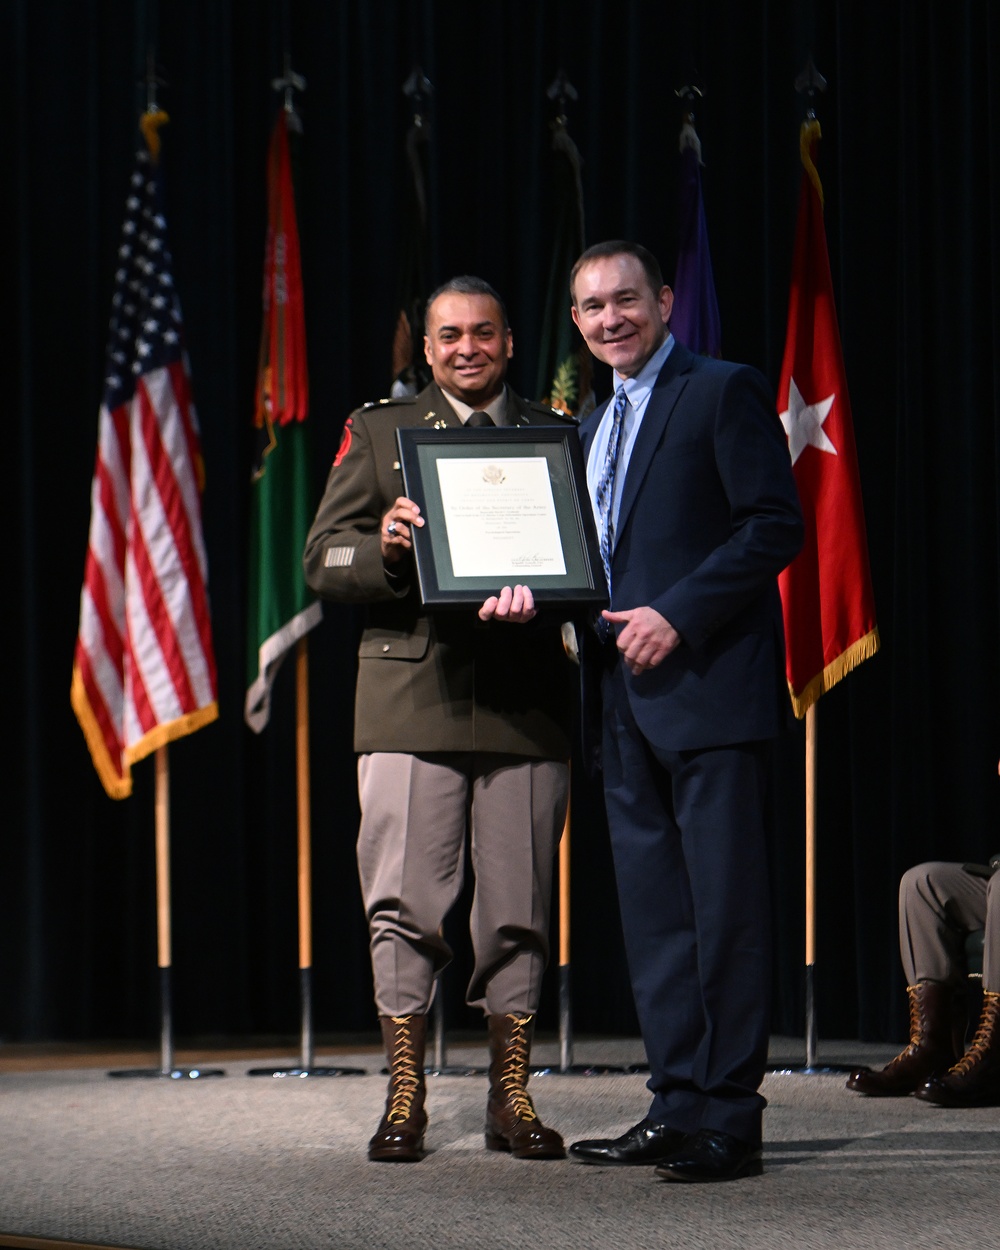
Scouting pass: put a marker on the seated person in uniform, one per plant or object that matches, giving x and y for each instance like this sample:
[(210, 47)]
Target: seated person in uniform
[(940, 904)]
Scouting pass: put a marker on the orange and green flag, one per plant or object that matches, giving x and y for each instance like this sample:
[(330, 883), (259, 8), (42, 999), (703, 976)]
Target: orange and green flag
[(280, 608)]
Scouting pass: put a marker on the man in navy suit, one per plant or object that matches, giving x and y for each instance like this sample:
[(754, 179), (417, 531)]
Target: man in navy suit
[(698, 512)]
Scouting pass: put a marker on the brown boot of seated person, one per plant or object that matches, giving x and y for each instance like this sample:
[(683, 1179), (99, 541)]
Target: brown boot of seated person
[(931, 1049), (400, 1135), (975, 1080), (512, 1123)]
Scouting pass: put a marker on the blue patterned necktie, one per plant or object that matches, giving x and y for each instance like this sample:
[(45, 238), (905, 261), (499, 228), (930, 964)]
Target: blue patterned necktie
[(605, 495)]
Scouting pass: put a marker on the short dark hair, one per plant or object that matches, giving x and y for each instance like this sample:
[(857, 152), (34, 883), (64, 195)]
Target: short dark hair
[(619, 247), (467, 284)]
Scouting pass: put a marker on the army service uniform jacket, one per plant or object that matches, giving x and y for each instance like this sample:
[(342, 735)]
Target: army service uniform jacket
[(440, 680)]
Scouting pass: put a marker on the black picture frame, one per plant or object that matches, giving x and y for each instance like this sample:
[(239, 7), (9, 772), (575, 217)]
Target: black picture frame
[(419, 452)]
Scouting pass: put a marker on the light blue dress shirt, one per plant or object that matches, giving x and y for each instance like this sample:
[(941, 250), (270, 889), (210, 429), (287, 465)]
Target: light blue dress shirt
[(637, 391)]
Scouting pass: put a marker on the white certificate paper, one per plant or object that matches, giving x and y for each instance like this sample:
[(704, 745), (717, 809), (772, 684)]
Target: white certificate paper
[(501, 517)]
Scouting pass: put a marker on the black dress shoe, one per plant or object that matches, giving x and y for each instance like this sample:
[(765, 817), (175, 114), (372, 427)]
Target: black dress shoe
[(708, 1156), (647, 1142)]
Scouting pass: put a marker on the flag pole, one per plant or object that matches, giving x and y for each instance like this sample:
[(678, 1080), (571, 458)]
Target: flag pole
[(566, 1066), (827, 601), (146, 387), (810, 887), (306, 1049), (279, 609), (306, 1065), (565, 1002), (440, 1048), (810, 1067), (439, 1066), (164, 956)]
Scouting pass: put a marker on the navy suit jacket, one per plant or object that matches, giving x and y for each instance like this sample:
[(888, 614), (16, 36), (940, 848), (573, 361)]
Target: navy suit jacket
[(709, 516)]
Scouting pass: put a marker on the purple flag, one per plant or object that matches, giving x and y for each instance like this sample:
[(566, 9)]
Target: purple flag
[(695, 319)]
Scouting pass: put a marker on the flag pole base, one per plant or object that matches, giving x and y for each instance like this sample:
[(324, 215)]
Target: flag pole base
[(589, 1069), (811, 1067), (439, 1065), (306, 1066), (172, 1074), (803, 1069), (311, 1071), (167, 1069), (539, 1069), (565, 1020), (450, 1069), (566, 1066)]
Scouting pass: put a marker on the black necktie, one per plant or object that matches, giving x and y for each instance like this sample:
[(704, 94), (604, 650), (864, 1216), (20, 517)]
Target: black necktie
[(479, 419)]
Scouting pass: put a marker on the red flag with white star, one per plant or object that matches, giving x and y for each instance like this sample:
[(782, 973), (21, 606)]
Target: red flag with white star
[(826, 592)]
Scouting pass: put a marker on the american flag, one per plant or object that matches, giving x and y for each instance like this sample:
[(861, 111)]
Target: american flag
[(144, 669)]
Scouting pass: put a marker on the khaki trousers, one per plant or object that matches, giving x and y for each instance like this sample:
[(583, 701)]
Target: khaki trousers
[(939, 905), (415, 811)]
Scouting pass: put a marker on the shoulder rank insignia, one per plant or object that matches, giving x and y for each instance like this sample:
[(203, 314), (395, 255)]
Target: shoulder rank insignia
[(382, 403)]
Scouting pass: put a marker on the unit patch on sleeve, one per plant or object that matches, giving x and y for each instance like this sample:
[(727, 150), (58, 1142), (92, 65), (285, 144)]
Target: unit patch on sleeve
[(345, 444)]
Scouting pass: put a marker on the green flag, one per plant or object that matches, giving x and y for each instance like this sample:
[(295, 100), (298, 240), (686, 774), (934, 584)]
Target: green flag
[(280, 609), (564, 372)]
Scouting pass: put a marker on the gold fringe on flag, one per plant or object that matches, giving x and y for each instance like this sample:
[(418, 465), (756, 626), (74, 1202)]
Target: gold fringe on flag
[(855, 654), (171, 731), (809, 132), (149, 124), (117, 778)]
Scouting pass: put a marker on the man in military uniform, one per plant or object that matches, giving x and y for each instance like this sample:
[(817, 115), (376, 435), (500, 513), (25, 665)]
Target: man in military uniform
[(461, 720)]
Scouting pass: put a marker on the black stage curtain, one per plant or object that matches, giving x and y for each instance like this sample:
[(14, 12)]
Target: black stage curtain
[(911, 167)]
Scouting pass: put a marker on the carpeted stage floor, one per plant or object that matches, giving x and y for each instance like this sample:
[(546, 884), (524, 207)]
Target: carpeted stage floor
[(241, 1163)]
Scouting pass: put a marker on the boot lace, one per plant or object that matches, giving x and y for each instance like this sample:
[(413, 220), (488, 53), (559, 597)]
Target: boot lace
[(984, 1035), (404, 1077), (916, 1029), (515, 1070)]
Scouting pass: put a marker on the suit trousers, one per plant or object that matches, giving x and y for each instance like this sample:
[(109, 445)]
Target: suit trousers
[(415, 812), (939, 905), (687, 835)]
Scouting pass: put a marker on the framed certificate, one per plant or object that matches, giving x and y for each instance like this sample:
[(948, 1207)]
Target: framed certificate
[(501, 506)]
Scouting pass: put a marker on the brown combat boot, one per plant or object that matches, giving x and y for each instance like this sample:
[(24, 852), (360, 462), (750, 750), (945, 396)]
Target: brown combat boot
[(400, 1135), (512, 1123), (974, 1081), (931, 1050)]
